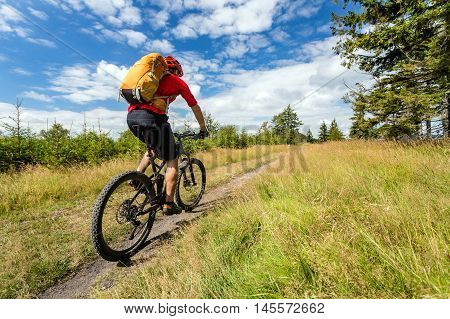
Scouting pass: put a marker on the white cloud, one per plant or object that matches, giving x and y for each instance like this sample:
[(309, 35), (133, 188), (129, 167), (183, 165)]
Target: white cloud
[(134, 38), (279, 35), (111, 121), (82, 84), (236, 49), (198, 72), (172, 5), (184, 31), (317, 48), (3, 58), (42, 42), (36, 96), (131, 37), (38, 14), (157, 19), (115, 12), (324, 28), (21, 71), (37, 119), (256, 95), (298, 8), (245, 97), (163, 46), (10, 20), (130, 15), (242, 44), (9, 14), (226, 17)]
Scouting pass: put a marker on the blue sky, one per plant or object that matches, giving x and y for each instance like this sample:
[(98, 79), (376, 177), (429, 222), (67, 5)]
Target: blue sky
[(244, 60)]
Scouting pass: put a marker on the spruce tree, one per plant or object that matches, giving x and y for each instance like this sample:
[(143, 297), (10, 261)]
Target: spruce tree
[(21, 143), (310, 137), (335, 134), (323, 133), (403, 45), (287, 125), (265, 135), (211, 125)]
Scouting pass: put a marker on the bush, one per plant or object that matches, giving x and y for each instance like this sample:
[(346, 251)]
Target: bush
[(56, 146), (228, 137), (128, 144)]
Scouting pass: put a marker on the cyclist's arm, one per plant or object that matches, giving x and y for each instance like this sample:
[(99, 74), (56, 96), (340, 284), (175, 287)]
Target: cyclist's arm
[(192, 102), (199, 116)]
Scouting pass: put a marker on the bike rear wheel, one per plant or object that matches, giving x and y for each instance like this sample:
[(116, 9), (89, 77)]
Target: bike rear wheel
[(191, 184), (123, 215)]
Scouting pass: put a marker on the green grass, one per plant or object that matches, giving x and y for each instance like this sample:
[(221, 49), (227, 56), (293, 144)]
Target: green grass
[(45, 215), (338, 220)]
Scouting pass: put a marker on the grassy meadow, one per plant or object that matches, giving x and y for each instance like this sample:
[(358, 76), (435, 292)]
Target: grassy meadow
[(335, 220), (45, 214)]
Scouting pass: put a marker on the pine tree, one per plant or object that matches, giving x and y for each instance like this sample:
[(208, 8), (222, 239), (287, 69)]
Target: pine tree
[(310, 137), (403, 45), (287, 125), (265, 135), (21, 142), (323, 132), (211, 124), (335, 134)]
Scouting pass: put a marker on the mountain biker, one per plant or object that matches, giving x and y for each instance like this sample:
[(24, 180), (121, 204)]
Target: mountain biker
[(149, 123)]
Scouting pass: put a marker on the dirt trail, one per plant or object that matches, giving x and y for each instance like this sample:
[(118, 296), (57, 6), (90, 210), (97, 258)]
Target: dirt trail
[(78, 285)]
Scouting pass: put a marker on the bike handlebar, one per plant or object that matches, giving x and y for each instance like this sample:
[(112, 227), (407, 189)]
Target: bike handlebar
[(187, 134)]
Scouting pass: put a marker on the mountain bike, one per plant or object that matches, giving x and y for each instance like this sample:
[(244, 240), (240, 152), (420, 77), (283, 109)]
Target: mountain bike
[(125, 210)]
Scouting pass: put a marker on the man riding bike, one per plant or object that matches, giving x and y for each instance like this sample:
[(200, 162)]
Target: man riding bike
[(150, 124)]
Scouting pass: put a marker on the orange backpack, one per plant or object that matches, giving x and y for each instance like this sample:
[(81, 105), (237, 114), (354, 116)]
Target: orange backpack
[(142, 80)]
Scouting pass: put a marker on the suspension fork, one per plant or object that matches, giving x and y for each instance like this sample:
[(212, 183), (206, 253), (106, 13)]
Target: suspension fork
[(181, 151), (191, 171)]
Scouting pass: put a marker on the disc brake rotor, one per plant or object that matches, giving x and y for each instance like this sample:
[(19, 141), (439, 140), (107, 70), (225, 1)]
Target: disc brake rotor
[(187, 185), (126, 212)]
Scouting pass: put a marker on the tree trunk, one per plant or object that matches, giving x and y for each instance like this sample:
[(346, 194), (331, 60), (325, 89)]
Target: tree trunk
[(446, 121), (428, 122)]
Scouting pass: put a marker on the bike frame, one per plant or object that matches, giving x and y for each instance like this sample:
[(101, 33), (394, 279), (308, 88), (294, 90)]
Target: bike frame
[(183, 156), (156, 169)]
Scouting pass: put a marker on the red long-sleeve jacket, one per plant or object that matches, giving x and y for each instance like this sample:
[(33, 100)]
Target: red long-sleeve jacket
[(170, 85)]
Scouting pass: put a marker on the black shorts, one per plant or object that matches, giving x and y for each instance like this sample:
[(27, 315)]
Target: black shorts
[(154, 130)]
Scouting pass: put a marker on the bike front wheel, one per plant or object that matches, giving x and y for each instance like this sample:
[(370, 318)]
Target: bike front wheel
[(123, 216), (191, 183)]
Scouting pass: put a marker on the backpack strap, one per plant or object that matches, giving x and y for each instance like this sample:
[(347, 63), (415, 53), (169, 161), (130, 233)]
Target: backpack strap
[(137, 94), (166, 98)]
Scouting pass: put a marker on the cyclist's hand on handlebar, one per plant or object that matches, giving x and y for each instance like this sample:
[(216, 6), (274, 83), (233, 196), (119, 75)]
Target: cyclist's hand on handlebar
[(203, 134)]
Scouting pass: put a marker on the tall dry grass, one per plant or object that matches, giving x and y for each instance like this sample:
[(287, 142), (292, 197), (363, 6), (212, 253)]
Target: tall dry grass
[(337, 220), (45, 214)]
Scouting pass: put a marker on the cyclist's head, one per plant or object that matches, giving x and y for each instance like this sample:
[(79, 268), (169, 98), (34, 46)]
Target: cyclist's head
[(174, 66)]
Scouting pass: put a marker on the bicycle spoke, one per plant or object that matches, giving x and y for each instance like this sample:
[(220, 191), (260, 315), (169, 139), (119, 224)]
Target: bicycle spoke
[(123, 217)]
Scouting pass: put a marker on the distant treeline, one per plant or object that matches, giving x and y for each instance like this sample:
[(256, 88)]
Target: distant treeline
[(56, 146)]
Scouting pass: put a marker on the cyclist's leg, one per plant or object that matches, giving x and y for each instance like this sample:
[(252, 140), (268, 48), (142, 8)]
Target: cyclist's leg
[(171, 179), (144, 163), (169, 153), (140, 124)]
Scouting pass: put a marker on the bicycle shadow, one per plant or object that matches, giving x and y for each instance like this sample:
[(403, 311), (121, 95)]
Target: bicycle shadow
[(165, 228)]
